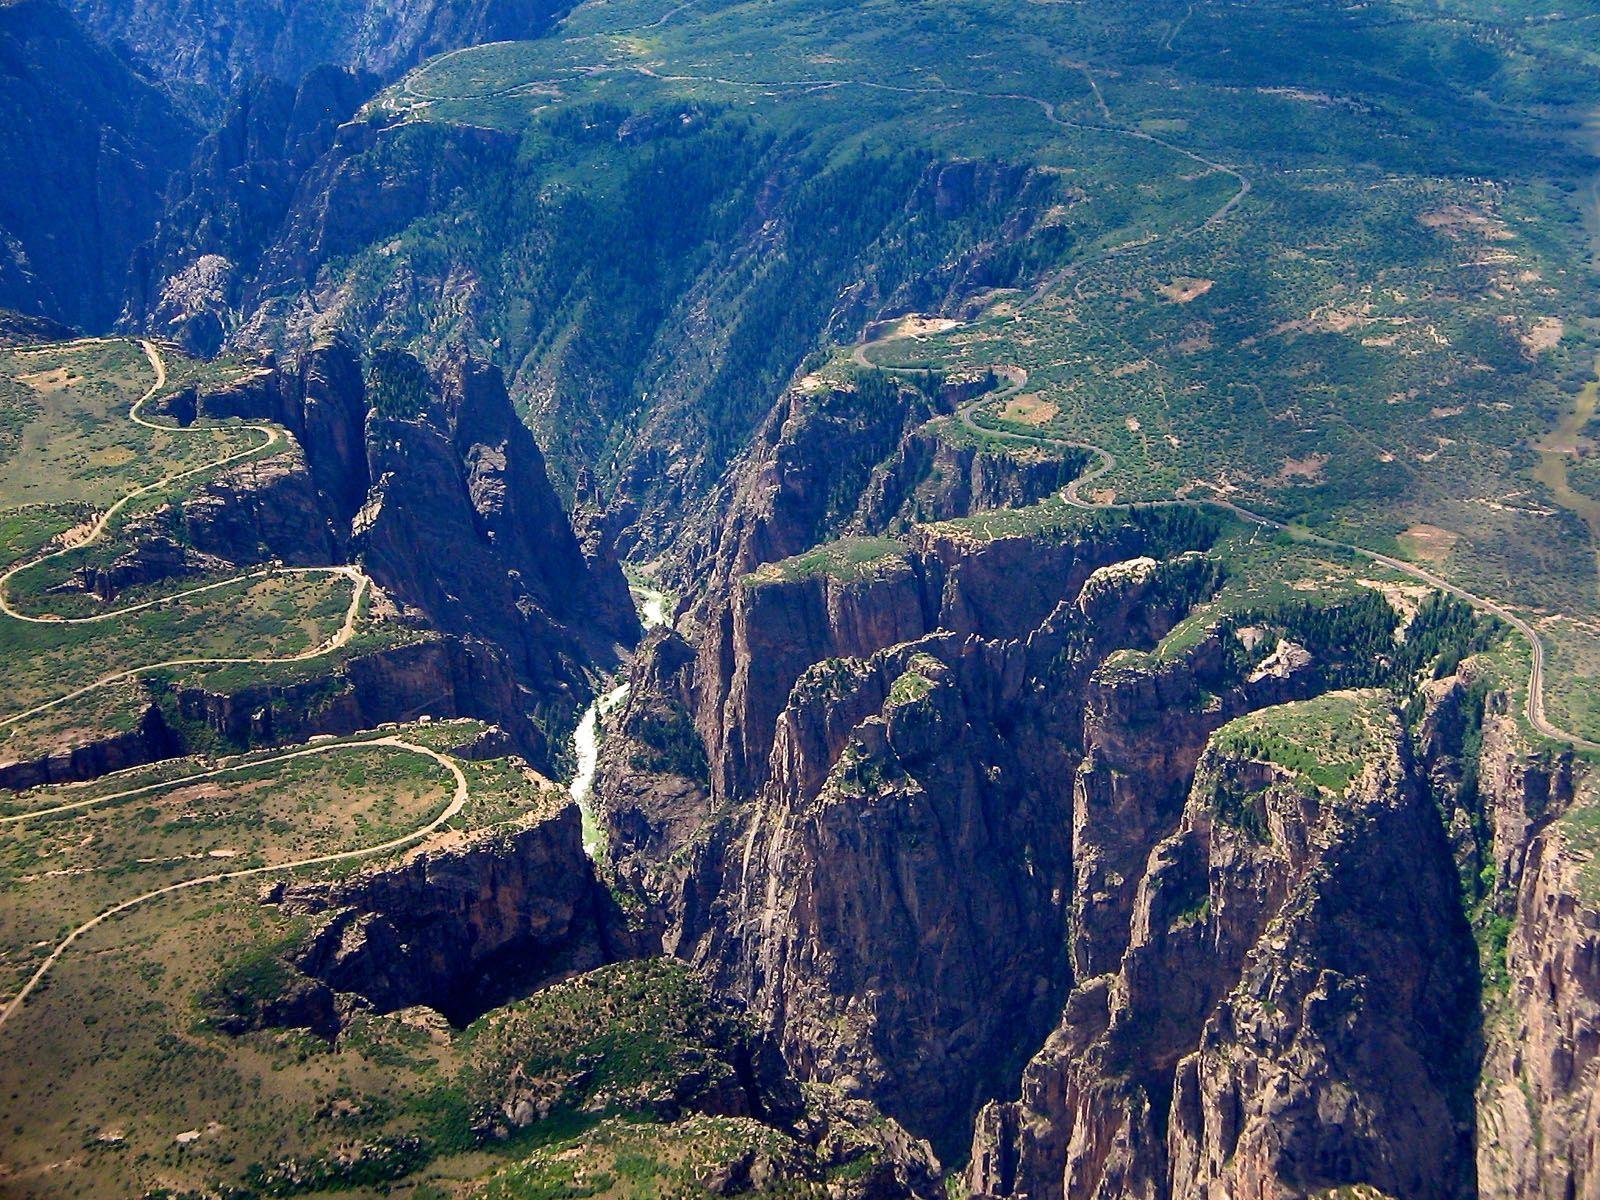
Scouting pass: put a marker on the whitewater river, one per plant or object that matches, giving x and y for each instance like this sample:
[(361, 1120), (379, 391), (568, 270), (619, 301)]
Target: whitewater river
[(586, 739)]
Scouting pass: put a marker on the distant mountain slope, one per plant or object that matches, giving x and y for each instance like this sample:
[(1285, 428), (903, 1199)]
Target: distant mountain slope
[(233, 197), (216, 44), (87, 152)]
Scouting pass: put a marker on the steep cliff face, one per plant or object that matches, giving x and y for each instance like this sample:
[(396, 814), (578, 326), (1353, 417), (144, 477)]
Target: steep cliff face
[(462, 524), (857, 457), (257, 511), (1295, 1009), (437, 676), (206, 49), (1539, 1114), (1145, 723), (952, 819), (896, 902), (652, 774), (333, 420), (1539, 1091), (81, 758), (645, 323), (434, 485), (88, 150), (932, 477), (221, 211), (364, 191), (897, 906), (460, 928), (863, 596), (431, 484)]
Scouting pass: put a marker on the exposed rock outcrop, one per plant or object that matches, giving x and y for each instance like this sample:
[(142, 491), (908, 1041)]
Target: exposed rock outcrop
[(1295, 1010), (896, 902), (1539, 1090), (462, 524), (461, 927), (89, 146), (768, 628), (436, 676), (150, 740), (220, 212), (1539, 1100), (855, 458), (211, 49), (650, 369)]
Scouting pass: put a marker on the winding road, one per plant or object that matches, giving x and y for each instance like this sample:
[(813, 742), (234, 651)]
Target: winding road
[(417, 99), (271, 437), (1017, 378), (458, 801), (360, 584)]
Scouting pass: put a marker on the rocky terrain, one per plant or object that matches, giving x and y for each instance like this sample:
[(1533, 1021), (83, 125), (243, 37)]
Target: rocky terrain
[(89, 148), (1097, 917), (204, 51), (1072, 759), (699, 339), (488, 605), (229, 200)]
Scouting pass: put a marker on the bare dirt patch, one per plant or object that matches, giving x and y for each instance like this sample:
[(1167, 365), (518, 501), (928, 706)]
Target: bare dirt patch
[(56, 380), (1428, 543), (1308, 468), (1545, 335), (1404, 598), (1186, 288), (920, 326), (1459, 222), (1029, 409)]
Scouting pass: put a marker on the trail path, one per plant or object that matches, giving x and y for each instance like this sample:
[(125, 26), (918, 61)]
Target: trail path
[(1105, 461), (1047, 107), (458, 800), (418, 99), (271, 437)]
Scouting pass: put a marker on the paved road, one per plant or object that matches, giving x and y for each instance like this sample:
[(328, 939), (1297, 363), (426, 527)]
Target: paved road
[(458, 801)]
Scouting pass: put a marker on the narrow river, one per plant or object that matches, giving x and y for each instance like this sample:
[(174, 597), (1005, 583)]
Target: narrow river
[(586, 739)]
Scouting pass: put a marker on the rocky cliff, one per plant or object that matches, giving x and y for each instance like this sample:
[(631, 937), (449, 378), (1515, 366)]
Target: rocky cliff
[(433, 484), (1294, 1011), (437, 490), (862, 456), (459, 927), (223, 208), (462, 524), (762, 631), (435, 676), (1539, 1089), (1100, 912), (204, 51), (639, 355), (889, 756), (88, 150)]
